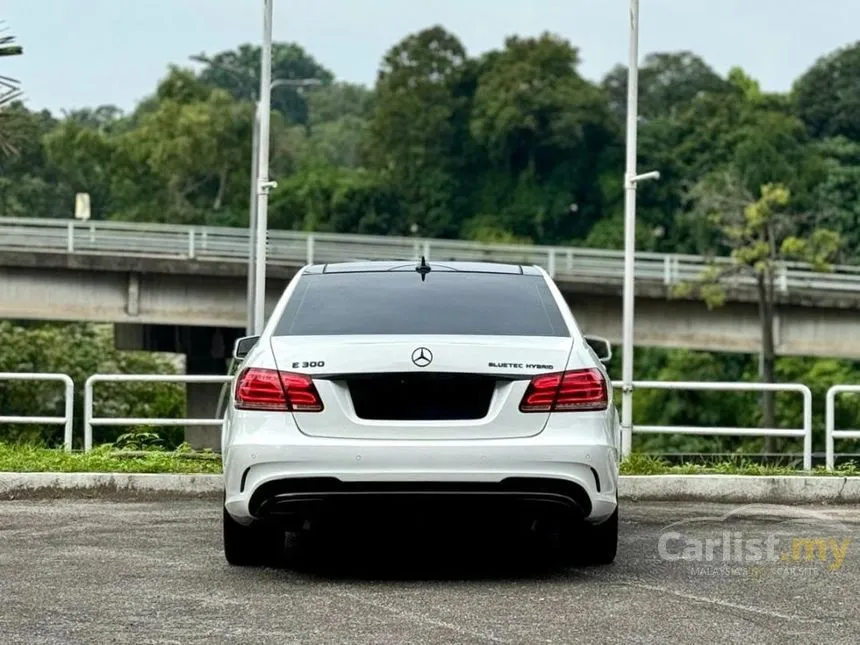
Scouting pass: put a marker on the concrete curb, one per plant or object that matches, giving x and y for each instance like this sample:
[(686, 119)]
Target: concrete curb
[(123, 485), (699, 488), (742, 489)]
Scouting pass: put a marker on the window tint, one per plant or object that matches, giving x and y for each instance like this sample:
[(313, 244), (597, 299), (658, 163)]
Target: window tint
[(398, 302)]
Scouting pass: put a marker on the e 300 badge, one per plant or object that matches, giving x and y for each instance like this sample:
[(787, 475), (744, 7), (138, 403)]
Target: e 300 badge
[(306, 364)]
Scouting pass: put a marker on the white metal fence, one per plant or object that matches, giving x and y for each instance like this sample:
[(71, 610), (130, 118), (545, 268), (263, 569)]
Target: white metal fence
[(90, 420), (66, 420), (830, 431), (805, 432), (295, 248)]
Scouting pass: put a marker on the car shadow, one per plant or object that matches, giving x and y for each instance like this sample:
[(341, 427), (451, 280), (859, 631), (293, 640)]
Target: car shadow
[(413, 554)]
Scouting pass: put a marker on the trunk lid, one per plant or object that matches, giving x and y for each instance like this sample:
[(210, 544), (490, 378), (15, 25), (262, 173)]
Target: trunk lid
[(421, 387)]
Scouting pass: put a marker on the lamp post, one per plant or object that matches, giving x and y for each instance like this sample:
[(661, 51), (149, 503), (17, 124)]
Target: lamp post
[(631, 179), (251, 325), (255, 324), (263, 184)]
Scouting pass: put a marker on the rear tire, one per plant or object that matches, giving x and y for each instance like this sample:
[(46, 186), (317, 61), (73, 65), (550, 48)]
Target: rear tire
[(251, 546), (598, 543)]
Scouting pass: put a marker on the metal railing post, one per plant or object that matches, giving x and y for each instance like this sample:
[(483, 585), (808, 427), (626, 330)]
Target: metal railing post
[(70, 413), (68, 418), (830, 431), (309, 259), (807, 426), (88, 414), (829, 427), (720, 386), (191, 244), (70, 237)]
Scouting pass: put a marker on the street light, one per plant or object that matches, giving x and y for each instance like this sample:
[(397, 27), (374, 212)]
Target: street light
[(631, 179), (255, 322), (251, 325), (264, 185)]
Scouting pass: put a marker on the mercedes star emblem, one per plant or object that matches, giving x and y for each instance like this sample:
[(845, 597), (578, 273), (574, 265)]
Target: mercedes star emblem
[(422, 357)]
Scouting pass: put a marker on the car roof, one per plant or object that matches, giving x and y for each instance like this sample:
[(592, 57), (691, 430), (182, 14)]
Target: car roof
[(372, 266)]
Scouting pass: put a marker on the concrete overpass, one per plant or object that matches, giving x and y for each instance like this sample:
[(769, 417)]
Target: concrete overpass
[(159, 282), (183, 289)]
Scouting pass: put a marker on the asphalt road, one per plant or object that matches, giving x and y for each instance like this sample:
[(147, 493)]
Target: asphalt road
[(94, 572)]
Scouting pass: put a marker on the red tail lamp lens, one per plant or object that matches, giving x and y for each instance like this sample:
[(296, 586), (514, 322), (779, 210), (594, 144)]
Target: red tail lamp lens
[(566, 392)]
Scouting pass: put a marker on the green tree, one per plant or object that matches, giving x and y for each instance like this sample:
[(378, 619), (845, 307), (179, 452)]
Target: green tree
[(762, 233), (341, 143), (197, 151), (82, 155), (837, 195), (743, 129), (544, 130), (668, 83), (29, 185), (338, 101), (419, 125), (238, 72), (827, 96), (342, 200)]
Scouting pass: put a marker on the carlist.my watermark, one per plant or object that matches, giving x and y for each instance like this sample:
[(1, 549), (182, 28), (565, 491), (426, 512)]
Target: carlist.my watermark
[(785, 541)]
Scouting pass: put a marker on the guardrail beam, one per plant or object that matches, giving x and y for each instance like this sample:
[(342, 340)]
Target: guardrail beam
[(221, 244)]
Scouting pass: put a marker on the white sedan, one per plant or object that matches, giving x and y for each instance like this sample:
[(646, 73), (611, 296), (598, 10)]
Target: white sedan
[(383, 387)]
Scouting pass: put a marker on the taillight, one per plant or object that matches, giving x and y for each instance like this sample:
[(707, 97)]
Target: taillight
[(566, 392), (265, 389)]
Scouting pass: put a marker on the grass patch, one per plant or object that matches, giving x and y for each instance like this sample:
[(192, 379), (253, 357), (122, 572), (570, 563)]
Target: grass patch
[(107, 459), (650, 465), (103, 459)]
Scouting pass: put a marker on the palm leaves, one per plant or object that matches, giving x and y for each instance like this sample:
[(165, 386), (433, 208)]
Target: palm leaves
[(10, 90), (9, 87)]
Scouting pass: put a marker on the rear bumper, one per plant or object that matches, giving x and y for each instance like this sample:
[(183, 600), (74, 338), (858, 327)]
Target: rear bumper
[(263, 480)]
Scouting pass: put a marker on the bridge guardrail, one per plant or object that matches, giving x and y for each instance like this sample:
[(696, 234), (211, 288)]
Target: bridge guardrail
[(90, 420), (830, 431), (805, 432), (68, 417), (295, 248)]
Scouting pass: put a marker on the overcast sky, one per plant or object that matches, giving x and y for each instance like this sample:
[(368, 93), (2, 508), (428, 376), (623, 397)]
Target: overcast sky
[(92, 52)]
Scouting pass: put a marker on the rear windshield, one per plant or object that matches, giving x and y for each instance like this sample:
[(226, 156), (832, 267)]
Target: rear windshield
[(398, 302)]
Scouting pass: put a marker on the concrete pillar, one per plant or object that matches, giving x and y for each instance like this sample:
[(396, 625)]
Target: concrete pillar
[(207, 351), (202, 401)]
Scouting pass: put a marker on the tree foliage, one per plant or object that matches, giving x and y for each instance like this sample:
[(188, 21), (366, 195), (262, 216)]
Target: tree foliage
[(513, 146), (79, 350), (827, 96), (763, 234)]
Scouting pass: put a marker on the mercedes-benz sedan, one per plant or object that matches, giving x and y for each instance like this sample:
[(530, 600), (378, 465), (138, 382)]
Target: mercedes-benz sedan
[(379, 388)]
